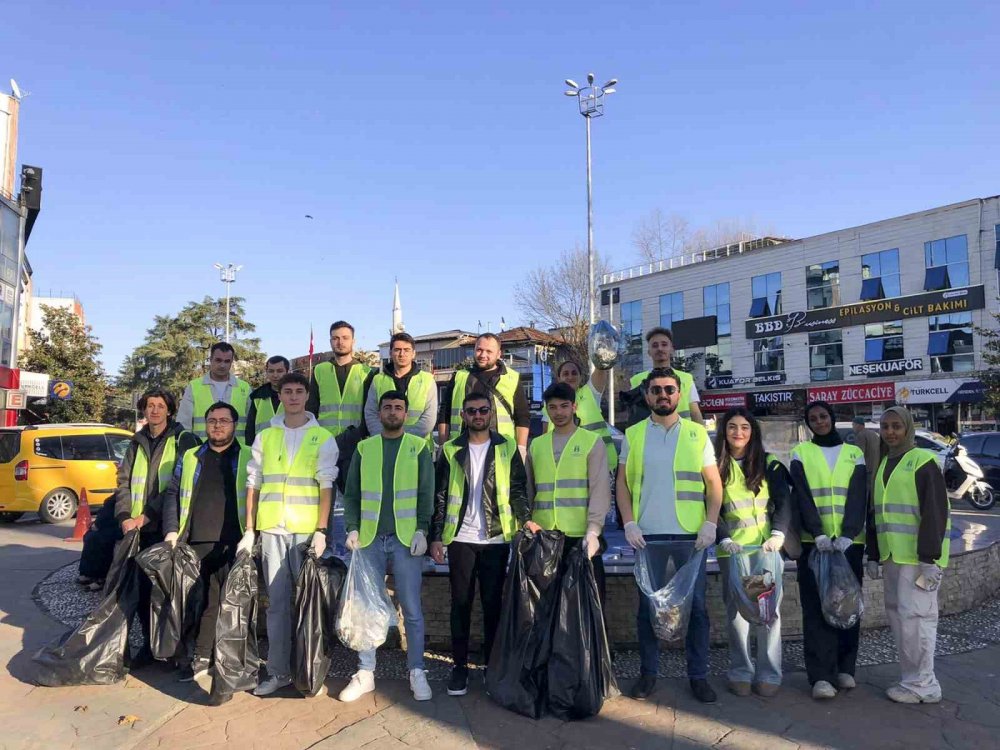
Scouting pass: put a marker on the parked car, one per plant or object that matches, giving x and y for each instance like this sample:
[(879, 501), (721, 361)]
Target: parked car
[(44, 467), (984, 448)]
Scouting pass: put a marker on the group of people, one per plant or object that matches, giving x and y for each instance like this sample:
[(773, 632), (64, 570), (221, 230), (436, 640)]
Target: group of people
[(230, 468)]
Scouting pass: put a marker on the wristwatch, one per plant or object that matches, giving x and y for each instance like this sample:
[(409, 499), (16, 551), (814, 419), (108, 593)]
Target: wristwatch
[(321, 529)]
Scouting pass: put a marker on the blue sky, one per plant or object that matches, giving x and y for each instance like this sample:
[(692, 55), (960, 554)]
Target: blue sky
[(431, 141)]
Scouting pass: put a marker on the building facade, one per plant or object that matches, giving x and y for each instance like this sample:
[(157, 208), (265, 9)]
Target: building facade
[(862, 317)]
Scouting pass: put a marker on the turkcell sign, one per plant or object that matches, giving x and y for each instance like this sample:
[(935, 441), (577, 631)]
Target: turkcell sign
[(887, 367), (943, 390)]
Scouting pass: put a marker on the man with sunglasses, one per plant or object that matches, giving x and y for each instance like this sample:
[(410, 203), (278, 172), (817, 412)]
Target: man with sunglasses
[(669, 496), (481, 500)]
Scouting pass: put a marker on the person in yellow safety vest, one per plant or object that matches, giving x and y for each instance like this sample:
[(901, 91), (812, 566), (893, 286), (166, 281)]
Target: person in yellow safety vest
[(756, 513), (339, 388), (910, 536), (218, 384), (143, 478), (511, 415), (660, 343), (569, 487), (290, 479), (830, 492), (588, 404), (404, 375), (669, 496), (205, 507), (388, 504), (480, 502), (264, 401)]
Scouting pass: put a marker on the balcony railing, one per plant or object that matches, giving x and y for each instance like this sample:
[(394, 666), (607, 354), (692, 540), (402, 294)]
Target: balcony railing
[(680, 261)]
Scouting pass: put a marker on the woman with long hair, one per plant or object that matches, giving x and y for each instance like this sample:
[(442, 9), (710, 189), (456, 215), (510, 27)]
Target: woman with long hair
[(755, 517), (588, 403)]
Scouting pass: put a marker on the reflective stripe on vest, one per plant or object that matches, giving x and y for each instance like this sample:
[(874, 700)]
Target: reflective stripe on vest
[(405, 481), (187, 486), (897, 511), (265, 413), (140, 472), (589, 413), (562, 491), (829, 490), (338, 411), (506, 386), (417, 392), (744, 512), (689, 484), (289, 492), (202, 398), (684, 404), (503, 454)]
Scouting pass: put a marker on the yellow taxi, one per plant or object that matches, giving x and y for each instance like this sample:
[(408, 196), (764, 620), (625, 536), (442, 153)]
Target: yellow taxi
[(43, 468)]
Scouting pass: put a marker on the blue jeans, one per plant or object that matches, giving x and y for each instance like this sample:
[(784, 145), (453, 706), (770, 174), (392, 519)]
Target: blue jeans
[(407, 572), (282, 562), (662, 549), (741, 667)]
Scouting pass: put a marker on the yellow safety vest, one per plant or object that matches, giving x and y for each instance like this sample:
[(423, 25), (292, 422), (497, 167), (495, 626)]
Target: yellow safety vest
[(503, 454), (265, 413), (829, 489), (417, 392), (289, 492), (684, 405), (506, 386), (140, 472), (562, 490), (338, 411), (744, 512), (188, 468), (201, 396), (589, 413), (405, 482), (897, 511), (689, 484)]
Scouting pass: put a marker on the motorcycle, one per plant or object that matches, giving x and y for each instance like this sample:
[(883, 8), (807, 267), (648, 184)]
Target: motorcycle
[(965, 479)]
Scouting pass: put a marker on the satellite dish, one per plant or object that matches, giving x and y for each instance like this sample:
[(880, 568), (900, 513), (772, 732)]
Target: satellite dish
[(16, 89)]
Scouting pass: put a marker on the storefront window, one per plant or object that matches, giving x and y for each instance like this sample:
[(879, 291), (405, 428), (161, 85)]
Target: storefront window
[(826, 356), (823, 285), (947, 263), (949, 343), (880, 275)]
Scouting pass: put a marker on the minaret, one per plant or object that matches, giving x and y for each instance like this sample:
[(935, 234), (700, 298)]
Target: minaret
[(397, 313)]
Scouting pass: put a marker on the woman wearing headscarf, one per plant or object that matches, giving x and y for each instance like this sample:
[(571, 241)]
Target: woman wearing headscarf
[(830, 492), (755, 516), (910, 538)]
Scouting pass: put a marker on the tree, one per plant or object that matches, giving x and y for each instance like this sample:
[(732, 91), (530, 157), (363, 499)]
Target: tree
[(990, 377), (176, 349), (65, 349), (555, 297), (658, 236)]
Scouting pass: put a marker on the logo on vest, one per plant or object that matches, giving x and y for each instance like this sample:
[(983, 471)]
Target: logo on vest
[(576, 448)]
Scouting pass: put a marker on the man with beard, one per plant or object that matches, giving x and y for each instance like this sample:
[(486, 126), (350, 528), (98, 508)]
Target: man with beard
[(669, 497), (264, 401), (204, 507), (661, 350), (339, 387), (403, 375)]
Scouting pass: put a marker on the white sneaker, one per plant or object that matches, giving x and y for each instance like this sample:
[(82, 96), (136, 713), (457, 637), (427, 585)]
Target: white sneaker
[(824, 689), (846, 681), (900, 694), (418, 684), (363, 681), (272, 685)]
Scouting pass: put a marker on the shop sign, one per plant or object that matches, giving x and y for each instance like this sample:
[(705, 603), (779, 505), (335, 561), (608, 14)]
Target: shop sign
[(941, 391), (713, 382), (769, 378), (922, 305), (853, 394), (887, 367), (763, 399), (722, 401)]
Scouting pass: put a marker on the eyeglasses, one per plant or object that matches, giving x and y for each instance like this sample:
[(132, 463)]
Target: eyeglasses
[(668, 390), (218, 422), (473, 411)]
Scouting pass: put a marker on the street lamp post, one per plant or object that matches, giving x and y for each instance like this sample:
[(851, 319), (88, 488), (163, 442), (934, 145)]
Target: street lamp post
[(227, 274)]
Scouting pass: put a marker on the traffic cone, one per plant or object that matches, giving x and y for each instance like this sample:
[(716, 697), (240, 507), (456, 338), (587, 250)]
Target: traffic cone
[(82, 518)]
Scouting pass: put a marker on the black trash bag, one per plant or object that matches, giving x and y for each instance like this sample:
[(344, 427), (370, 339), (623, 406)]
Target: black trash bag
[(99, 542), (95, 652), (634, 404), (839, 589), (516, 678), (176, 596), (317, 594), (580, 674), (237, 655)]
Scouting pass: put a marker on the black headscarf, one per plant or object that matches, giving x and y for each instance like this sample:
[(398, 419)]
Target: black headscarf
[(832, 438)]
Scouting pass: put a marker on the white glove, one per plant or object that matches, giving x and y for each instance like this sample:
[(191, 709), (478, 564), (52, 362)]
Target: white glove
[(352, 542), (633, 535), (730, 547), (823, 543), (774, 542), (706, 536), (841, 543), (246, 542), (319, 543), (932, 576), (591, 543), (873, 570), (418, 545), (171, 538)]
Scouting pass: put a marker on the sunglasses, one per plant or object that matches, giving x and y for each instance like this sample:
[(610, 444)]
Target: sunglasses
[(481, 410), (667, 390)]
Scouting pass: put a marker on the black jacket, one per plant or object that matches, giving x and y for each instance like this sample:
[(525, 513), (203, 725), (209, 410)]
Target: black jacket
[(313, 403), (518, 489), (171, 498), (477, 383), (265, 391), (153, 450), (855, 506)]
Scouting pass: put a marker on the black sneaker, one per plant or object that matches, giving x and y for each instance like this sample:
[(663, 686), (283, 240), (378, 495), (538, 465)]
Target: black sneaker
[(703, 691), (458, 684), (644, 687)]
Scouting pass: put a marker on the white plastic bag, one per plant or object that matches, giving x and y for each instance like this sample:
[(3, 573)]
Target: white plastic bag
[(670, 606), (365, 608)]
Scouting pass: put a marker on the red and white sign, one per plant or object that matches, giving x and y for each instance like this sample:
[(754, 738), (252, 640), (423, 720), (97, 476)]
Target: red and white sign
[(721, 401), (854, 393)]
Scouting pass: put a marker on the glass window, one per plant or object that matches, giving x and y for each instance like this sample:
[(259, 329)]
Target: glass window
[(631, 325), (947, 263), (716, 302), (996, 237), (671, 308), (949, 342), (768, 355), (48, 447), (823, 285), (880, 275), (884, 341), (10, 446), (719, 358), (826, 356), (85, 448), (766, 290), (991, 447), (119, 444)]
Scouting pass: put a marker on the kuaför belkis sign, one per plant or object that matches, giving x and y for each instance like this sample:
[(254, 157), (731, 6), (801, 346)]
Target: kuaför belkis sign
[(943, 302)]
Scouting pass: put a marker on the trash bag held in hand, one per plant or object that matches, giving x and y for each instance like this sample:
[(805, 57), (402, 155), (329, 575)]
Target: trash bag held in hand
[(604, 344), (753, 584), (365, 608), (94, 653), (317, 592), (670, 606), (237, 655), (839, 589), (580, 674), (517, 674), (176, 596)]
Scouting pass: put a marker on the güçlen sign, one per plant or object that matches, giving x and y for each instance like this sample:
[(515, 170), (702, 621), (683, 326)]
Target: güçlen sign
[(943, 302)]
